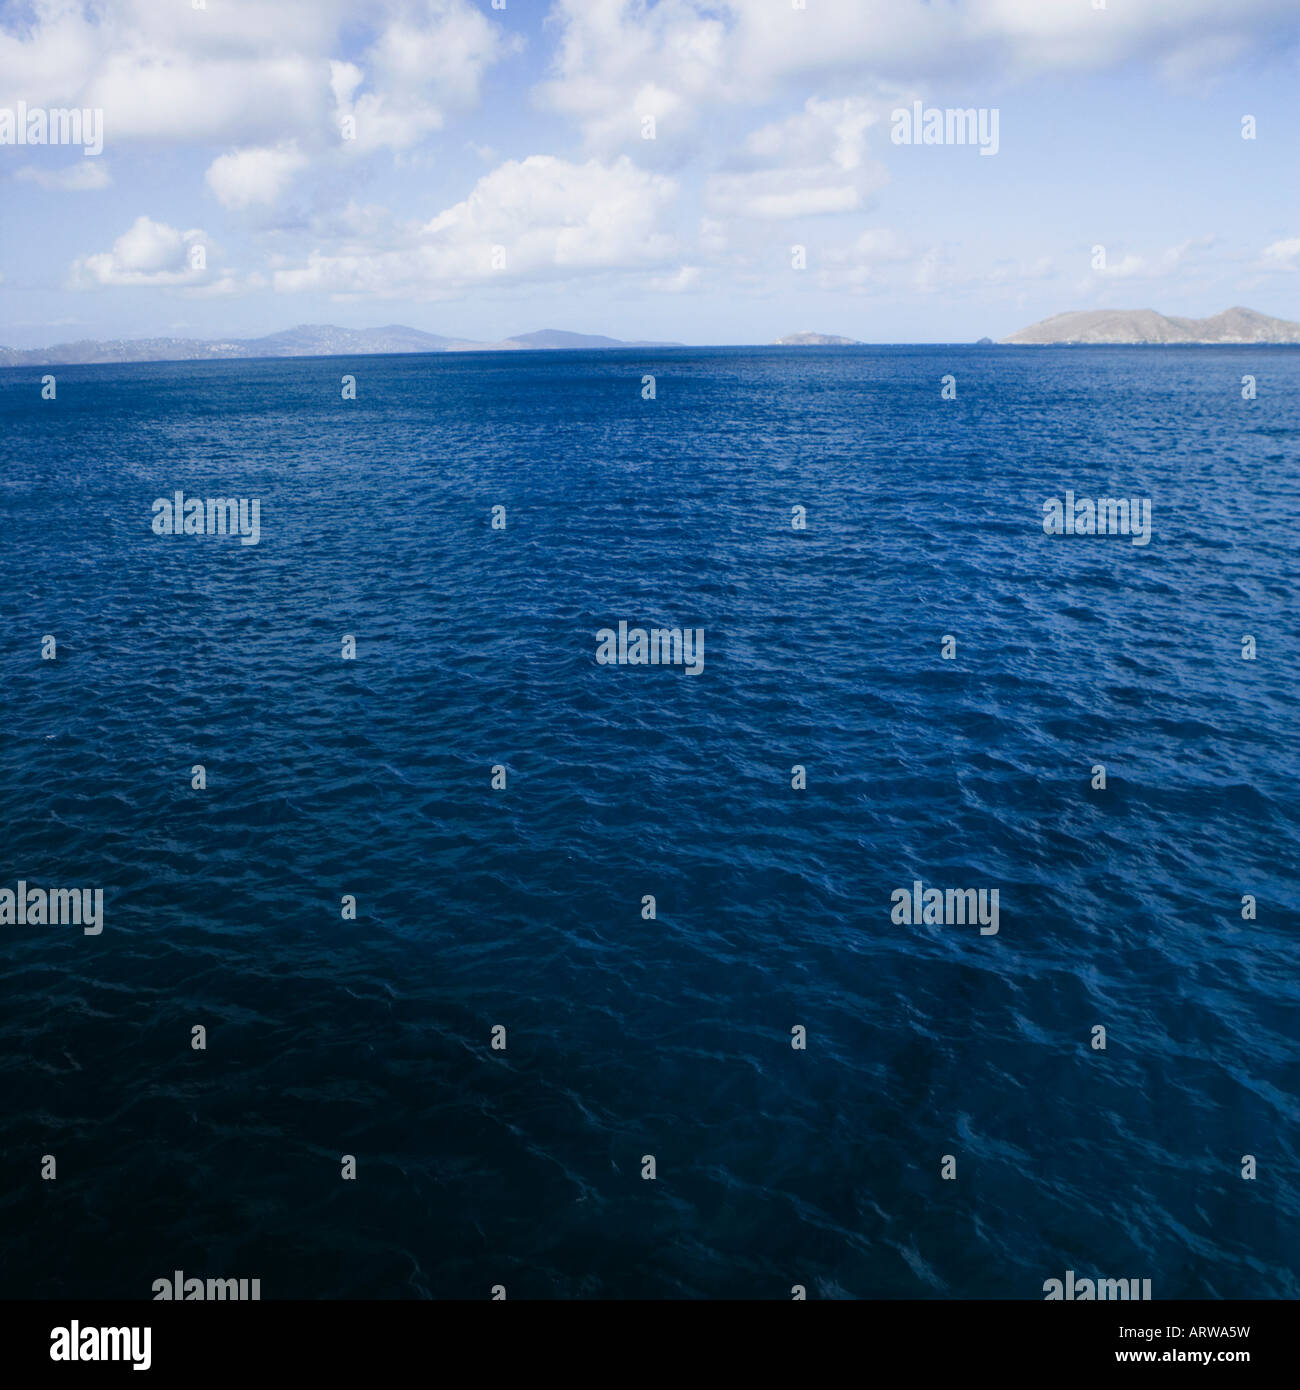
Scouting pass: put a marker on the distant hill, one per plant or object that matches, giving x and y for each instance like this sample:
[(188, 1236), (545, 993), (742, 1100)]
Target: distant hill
[(1147, 326), (324, 340), (815, 340), (558, 338), (307, 340)]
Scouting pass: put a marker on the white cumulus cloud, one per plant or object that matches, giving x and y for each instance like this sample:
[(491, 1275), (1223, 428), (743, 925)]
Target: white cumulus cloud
[(250, 72), (618, 60), (1282, 255), (811, 163), (253, 176), (541, 217), (147, 253)]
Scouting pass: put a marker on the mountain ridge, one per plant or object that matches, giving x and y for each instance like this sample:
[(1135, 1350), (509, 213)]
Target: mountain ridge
[(1146, 326), (305, 340)]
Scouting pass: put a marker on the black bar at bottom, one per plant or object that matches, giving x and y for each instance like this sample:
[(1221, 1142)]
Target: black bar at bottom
[(603, 1341)]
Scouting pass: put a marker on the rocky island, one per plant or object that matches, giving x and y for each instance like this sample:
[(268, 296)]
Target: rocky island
[(1141, 326), (815, 340)]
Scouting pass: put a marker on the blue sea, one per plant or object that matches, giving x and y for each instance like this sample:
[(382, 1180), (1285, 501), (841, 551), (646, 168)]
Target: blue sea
[(521, 907)]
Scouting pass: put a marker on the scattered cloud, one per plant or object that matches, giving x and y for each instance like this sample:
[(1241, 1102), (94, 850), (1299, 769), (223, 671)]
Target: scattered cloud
[(617, 60), (148, 253), (1155, 265), (427, 60), (770, 128), (85, 176), (877, 259), (253, 74), (1281, 255), (540, 217), (811, 163), (254, 176)]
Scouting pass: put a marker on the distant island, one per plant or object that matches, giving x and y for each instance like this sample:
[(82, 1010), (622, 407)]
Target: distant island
[(1142, 326), (307, 340), (815, 340), (1091, 326)]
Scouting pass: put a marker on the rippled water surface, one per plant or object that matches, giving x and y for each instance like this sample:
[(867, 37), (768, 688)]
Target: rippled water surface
[(522, 907)]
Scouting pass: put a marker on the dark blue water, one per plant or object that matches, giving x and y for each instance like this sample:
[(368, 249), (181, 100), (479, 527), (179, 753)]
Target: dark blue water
[(522, 907)]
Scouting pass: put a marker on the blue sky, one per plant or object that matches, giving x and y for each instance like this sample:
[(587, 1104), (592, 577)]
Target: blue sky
[(499, 180)]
